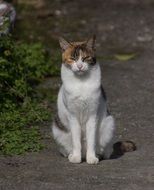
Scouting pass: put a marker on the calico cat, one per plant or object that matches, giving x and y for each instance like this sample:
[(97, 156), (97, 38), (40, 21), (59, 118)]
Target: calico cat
[(83, 127)]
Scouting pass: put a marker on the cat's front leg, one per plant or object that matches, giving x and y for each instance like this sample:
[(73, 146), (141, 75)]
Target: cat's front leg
[(75, 156), (91, 141)]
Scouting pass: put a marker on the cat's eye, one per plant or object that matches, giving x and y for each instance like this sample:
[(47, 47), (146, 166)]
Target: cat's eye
[(86, 58)]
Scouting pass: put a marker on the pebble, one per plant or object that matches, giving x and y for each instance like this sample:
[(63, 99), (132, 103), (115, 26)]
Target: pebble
[(58, 12), (145, 38)]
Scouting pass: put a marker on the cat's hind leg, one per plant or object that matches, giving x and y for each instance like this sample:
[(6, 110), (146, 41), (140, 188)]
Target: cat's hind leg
[(106, 134), (63, 140)]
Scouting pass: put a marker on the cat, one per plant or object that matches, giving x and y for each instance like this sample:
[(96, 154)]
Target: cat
[(83, 127)]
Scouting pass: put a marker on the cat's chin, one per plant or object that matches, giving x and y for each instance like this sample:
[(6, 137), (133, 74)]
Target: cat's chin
[(80, 73)]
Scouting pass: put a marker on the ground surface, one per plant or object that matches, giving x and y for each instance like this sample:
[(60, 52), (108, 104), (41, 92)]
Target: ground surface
[(120, 27)]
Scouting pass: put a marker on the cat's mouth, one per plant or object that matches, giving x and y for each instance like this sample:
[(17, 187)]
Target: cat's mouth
[(80, 72)]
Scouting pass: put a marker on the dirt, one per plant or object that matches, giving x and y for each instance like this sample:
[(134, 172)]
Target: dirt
[(120, 27)]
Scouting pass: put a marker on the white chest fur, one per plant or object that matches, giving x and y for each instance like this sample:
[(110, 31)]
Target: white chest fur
[(81, 93)]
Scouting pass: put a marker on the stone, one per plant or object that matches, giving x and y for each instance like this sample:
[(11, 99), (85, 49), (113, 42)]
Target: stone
[(7, 17)]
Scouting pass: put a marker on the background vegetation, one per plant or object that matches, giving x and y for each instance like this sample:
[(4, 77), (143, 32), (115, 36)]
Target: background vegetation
[(22, 67)]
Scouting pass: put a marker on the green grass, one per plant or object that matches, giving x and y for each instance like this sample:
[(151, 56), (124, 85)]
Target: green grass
[(22, 67), (20, 130)]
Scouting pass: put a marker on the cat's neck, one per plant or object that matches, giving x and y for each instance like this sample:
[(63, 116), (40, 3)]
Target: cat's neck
[(92, 76)]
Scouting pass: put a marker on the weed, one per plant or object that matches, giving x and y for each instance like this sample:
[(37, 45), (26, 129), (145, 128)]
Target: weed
[(22, 67)]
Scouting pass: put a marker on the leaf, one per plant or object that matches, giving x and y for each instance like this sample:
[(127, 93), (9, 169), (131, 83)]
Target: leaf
[(125, 57)]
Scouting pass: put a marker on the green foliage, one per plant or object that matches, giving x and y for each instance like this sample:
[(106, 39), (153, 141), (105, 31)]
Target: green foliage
[(22, 66), (19, 64), (19, 128)]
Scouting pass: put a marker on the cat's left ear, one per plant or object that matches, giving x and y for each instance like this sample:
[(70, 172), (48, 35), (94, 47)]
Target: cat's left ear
[(91, 42)]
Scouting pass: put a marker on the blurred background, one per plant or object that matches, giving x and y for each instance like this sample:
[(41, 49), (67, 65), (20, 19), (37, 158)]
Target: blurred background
[(117, 24)]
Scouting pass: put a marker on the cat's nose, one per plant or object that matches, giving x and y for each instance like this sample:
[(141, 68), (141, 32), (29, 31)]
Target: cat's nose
[(80, 66)]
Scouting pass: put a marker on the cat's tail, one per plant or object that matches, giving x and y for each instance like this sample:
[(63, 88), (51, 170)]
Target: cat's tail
[(120, 147)]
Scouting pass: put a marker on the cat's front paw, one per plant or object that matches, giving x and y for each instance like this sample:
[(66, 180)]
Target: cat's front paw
[(76, 159), (92, 160)]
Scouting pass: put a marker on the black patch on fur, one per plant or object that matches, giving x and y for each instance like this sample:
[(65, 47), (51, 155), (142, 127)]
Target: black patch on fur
[(76, 52), (105, 98), (103, 93), (93, 61), (120, 147), (108, 112), (59, 124)]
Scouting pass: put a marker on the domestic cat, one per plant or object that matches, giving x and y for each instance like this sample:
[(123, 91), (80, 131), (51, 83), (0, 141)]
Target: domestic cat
[(83, 127)]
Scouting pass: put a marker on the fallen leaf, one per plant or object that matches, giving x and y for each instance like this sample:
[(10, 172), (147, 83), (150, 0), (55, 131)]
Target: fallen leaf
[(125, 57)]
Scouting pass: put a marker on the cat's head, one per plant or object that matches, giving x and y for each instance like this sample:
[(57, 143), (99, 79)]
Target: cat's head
[(78, 56)]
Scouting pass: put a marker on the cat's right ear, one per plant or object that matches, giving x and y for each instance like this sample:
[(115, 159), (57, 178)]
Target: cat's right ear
[(63, 44)]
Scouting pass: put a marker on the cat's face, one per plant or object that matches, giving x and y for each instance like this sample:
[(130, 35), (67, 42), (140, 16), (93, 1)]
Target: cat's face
[(78, 56)]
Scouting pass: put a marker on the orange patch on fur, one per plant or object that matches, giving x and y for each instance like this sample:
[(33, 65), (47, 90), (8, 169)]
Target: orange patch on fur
[(66, 56)]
